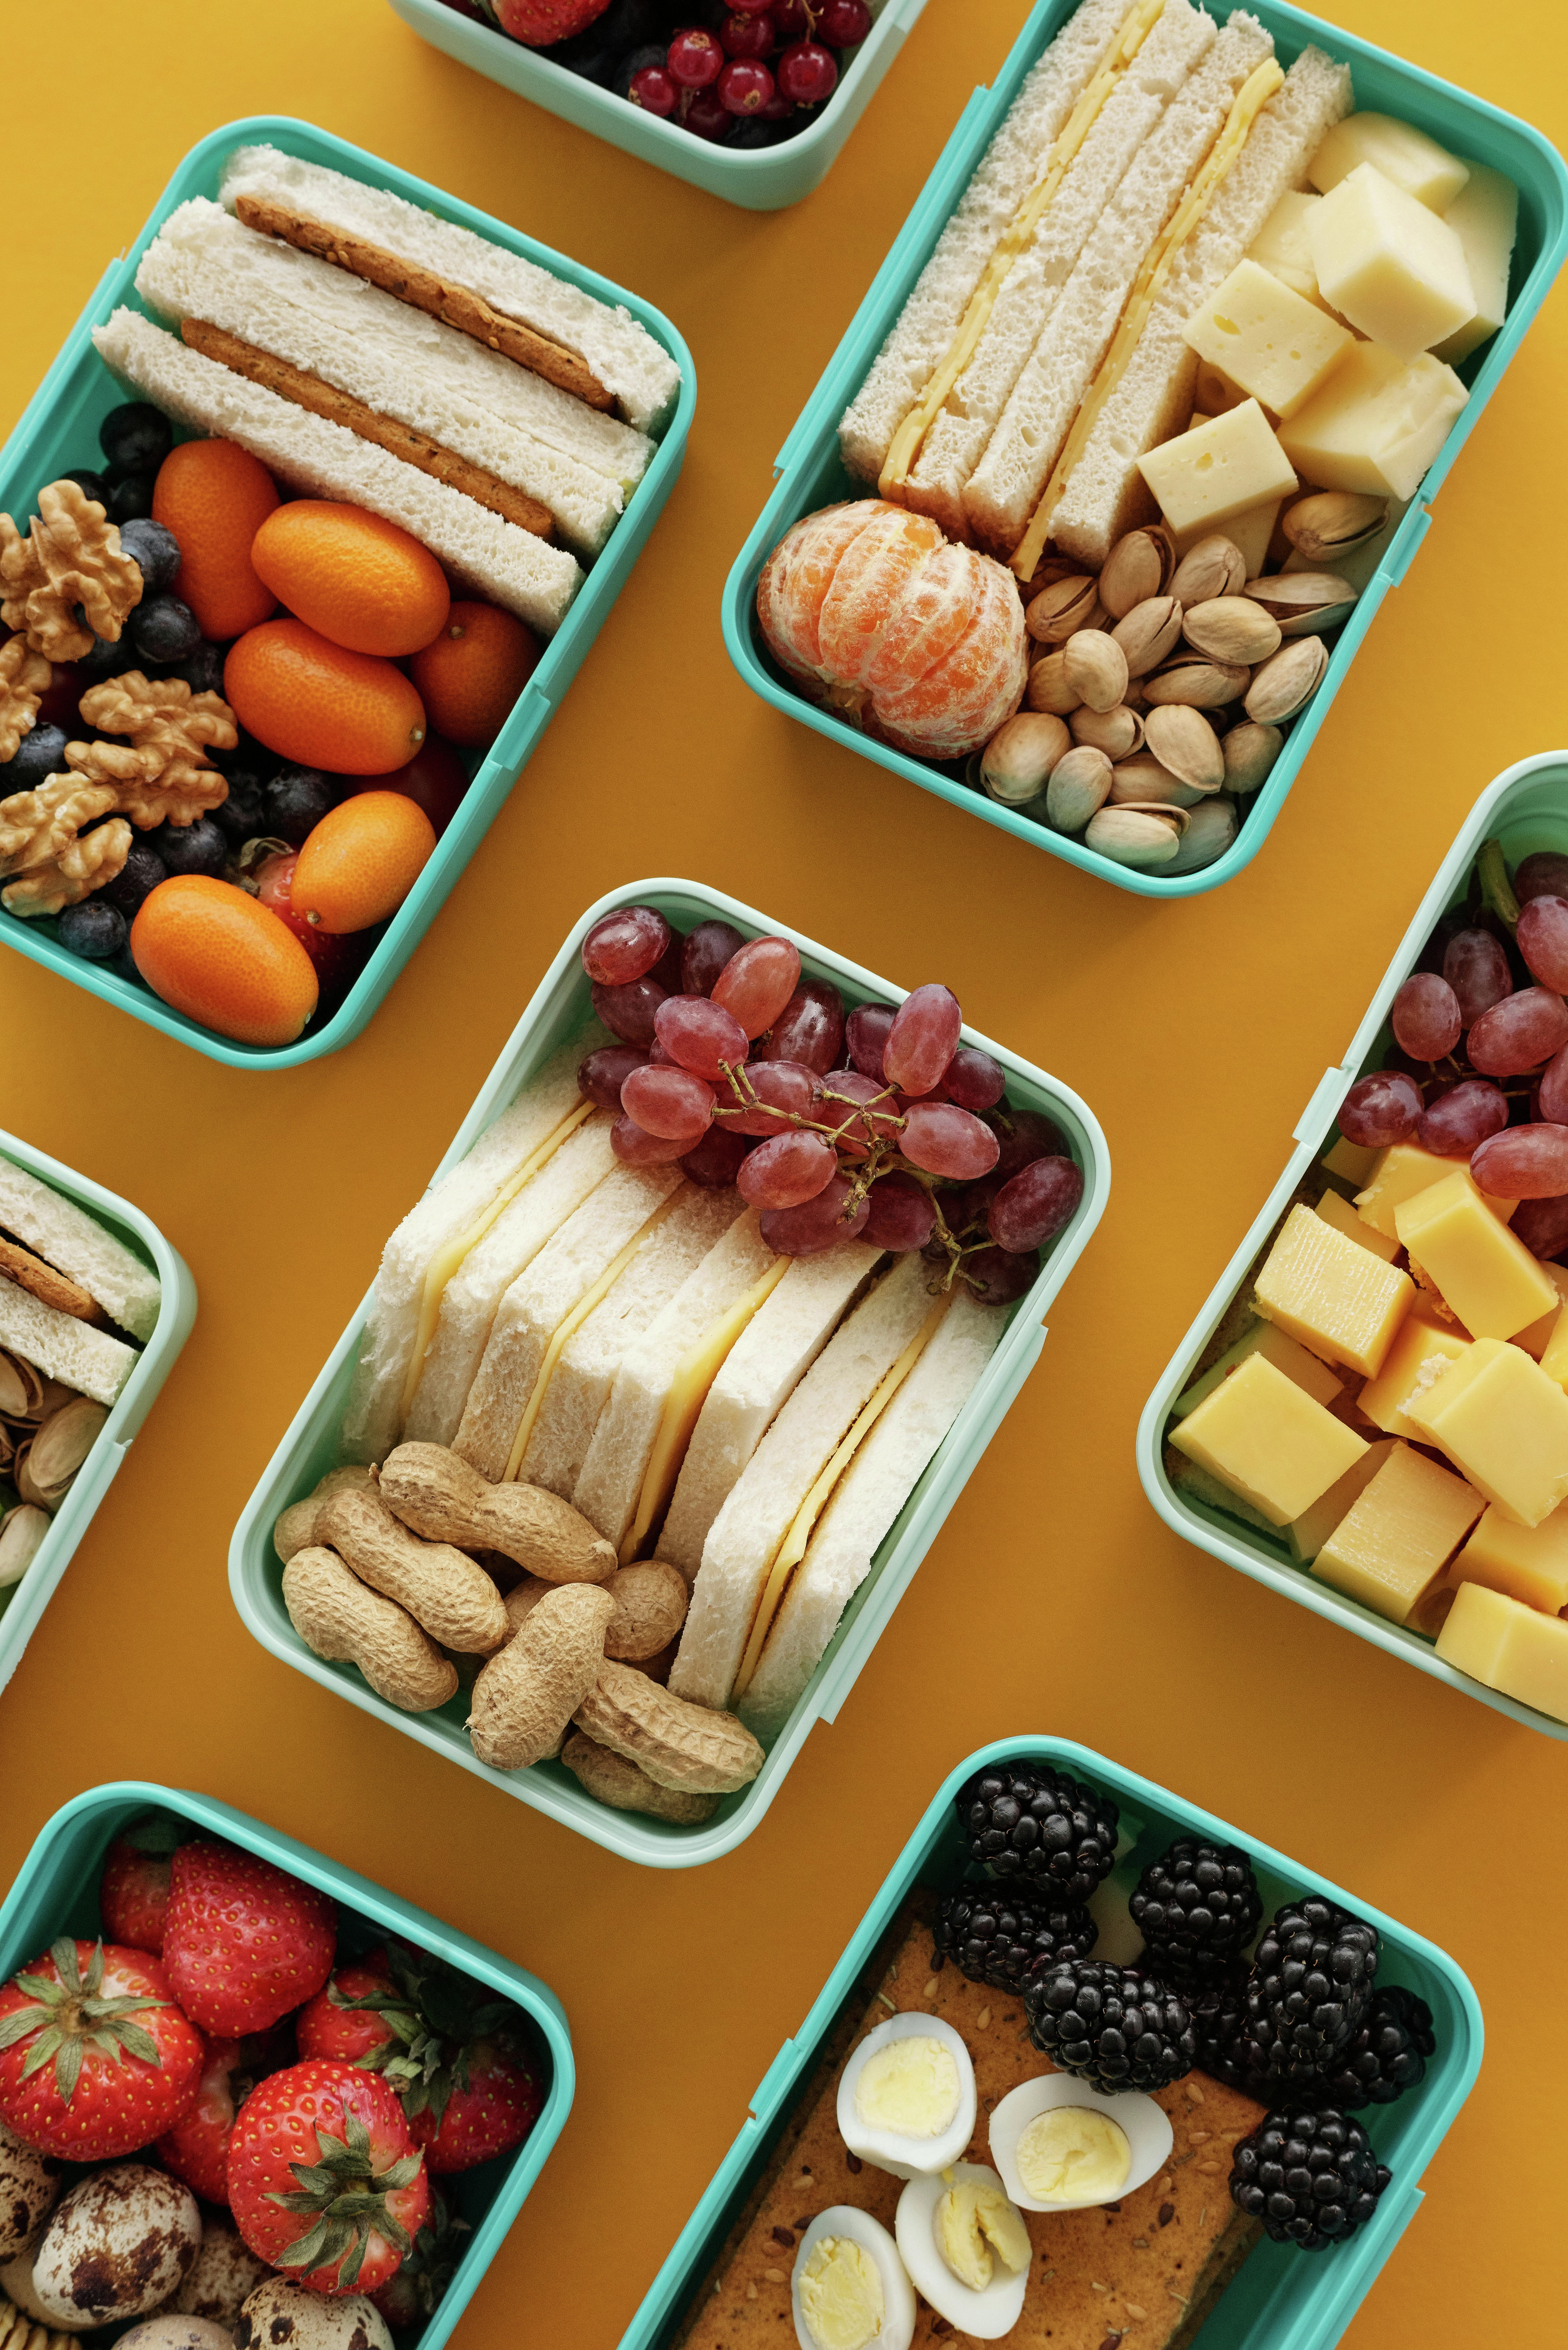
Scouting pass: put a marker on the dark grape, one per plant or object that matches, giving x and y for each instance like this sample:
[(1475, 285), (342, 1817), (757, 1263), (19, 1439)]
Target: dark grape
[(810, 1028), (700, 1035), (922, 1039), (716, 1160), (1030, 1208), (603, 1073), (1451, 1126), (788, 1170), (1426, 1017), (1025, 1135), (1476, 967), (704, 954), (1380, 1109), (1542, 940), (973, 1079), (944, 1139), (785, 1091), (997, 1275), (854, 1133), (668, 1102), (637, 1148), (1525, 1029), (628, 1012), (902, 1217), (625, 945), (966, 1208), (820, 1224), (866, 1034), (1543, 875), (1552, 1093), (1527, 1162), (1542, 1225), (756, 983)]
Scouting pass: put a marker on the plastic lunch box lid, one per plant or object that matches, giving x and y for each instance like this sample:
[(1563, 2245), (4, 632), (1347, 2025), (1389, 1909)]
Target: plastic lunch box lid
[(761, 180), (1516, 804), (556, 1010), (37, 449), (52, 1883), (176, 1312), (810, 475), (1326, 2292)]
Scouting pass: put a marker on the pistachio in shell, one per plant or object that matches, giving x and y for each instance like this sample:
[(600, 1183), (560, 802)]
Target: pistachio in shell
[(1148, 633), (1096, 668), (1250, 751), (1286, 681), (1138, 838), (1144, 783), (1182, 740), (1195, 679), (57, 1449), (1118, 732), (1232, 629), (22, 1532), (1213, 567), (1138, 566), (1048, 688), (1080, 785), (1208, 835), (1332, 522), (1304, 603), (1065, 606), (1016, 763)]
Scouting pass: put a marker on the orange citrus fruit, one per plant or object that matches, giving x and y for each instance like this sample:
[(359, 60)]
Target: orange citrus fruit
[(217, 956), (320, 706), (362, 582), (470, 674), (360, 861), (214, 496)]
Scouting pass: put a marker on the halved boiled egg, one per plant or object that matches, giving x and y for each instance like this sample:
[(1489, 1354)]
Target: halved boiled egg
[(966, 2248), (849, 2290), (1059, 2145), (905, 2099)]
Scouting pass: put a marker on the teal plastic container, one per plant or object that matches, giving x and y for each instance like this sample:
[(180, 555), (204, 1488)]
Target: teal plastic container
[(23, 1603), (762, 180), (56, 1892), (1526, 808), (58, 431), (1281, 2299), (558, 1012), (810, 473)]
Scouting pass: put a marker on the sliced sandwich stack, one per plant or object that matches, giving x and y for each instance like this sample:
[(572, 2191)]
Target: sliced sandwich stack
[(368, 351)]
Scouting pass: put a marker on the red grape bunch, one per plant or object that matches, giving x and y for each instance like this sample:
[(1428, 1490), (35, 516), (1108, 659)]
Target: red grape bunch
[(762, 63), (873, 1124)]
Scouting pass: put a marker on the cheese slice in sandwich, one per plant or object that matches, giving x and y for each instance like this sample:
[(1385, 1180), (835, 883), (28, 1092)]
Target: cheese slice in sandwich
[(600, 352), (749, 1532), (960, 408), (77, 1245), (61, 1346), (763, 1368), (842, 1541), (670, 1248), (546, 1305)]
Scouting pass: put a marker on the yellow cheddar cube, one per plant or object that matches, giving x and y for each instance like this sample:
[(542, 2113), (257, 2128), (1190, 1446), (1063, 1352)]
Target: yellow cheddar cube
[(1223, 469), (1510, 1647), (1337, 1298), (1538, 1337), (1402, 1170), (1376, 424), (1352, 1162), (1529, 1563), (1397, 1537), (1485, 1273), (1271, 342), (1308, 1533), (1484, 216), (1281, 1350), (1267, 1440), (1416, 1360), (1504, 1425), (1400, 152), (1337, 1210), (1554, 1354)]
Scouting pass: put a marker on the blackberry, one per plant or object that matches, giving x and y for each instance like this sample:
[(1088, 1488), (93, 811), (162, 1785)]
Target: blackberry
[(1196, 1906), (1312, 2178), (1113, 2026), (1386, 2056), (996, 1940), (1033, 1825), (1310, 1987), (1218, 2007)]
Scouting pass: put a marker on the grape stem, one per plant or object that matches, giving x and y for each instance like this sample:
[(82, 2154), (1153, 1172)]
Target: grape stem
[(1496, 889)]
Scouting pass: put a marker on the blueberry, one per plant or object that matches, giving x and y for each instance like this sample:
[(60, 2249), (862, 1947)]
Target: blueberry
[(295, 803), (93, 485), (92, 929), (156, 550), (203, 669), (164, 629), (103, 659), (135, 438), (42, 752), (242, 815), (199, 848), (143, 870), (131, 500)]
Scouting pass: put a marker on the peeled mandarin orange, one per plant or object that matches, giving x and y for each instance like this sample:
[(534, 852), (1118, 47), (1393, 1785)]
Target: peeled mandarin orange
[(320, 706), (214, 496), (360, 861), (363, 583), (470, 674), (218, 956)]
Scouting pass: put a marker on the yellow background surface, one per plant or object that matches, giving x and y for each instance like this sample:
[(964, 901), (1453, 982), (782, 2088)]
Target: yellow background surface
[(1054, 1599)]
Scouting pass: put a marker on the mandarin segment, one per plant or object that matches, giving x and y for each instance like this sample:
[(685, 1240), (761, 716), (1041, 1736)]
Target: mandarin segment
[(214, 496), (470, 673), (359, 581), (213, 952), (321, 705), (360, 861)]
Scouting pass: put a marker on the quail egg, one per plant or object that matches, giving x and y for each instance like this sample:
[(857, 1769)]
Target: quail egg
[(1059, 2145), (905, 2099), (849, 2289), (966, 2249)]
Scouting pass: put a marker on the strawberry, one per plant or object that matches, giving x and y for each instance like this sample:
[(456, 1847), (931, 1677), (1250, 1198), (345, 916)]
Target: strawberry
[(494, 2107), (244, 1942), (410, 2298), (541, 23), (197, 2149), (324, 2180), (345, 2020), (133, 1891), (125, 2063)]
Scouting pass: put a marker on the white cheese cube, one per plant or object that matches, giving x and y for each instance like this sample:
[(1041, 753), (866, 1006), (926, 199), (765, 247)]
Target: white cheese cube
[(1283, 247), (1401, 153), (1389, 266), (1271, 341), (1376, 424), (1225, 468), (1484, 216)]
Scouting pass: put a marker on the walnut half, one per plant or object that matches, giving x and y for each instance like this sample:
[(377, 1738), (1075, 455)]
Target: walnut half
[(70, 563)]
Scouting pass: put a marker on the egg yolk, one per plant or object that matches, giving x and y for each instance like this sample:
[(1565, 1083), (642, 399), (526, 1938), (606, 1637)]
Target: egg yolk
[(909, 2088), (1071, 2153), (972, 2222), (841, 2296)]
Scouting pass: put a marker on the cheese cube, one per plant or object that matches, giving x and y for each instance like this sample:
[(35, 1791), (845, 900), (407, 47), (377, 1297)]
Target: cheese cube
[(1509, 1648), (1376, 424), (1215, 395), (1394, 269), (1554, 1354), (1248, 533), (1404, 1169), (1538, 1337), (1337, 1298), (1400, 152), (1266, 1439), (1398, 1536), (1504, 1425), (1353, 1161), (1484, 216), (1271, 341), (1314, 1377), (1308, 1533), (1223, 469), (1416, 1360), (1283, 247), (1484, 1271), (1529, 1563), (1337, 1210)]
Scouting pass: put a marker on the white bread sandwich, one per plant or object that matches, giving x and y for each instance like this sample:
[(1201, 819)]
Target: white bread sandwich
[(68, 1238), (62, 1346), (736, 1587), (844, 1526), (763, 1368)]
